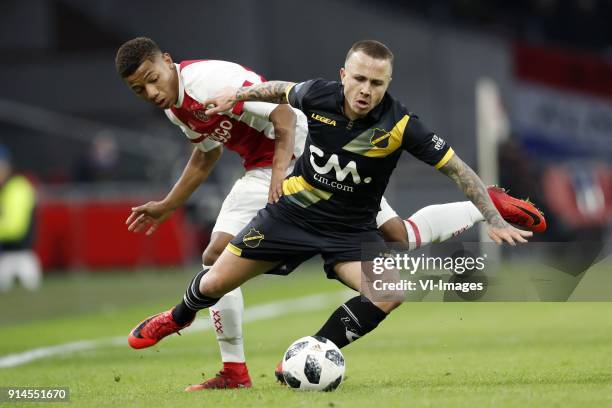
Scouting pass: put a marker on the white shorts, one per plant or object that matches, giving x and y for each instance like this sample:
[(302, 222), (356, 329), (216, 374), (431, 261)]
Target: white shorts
[(250, 194), (385, 213)]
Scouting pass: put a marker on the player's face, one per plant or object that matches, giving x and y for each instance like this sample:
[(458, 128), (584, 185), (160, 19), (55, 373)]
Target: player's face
[(365, 81), (156, 81)]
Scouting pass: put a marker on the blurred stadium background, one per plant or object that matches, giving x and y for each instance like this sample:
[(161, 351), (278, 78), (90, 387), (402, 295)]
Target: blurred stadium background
[(522, 90)]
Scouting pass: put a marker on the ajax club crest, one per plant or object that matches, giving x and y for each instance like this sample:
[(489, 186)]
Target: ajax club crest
[(201, 115), (253, 238)]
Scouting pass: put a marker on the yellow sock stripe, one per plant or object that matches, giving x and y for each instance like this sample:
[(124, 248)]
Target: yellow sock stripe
[(234, 249), (449, 154)]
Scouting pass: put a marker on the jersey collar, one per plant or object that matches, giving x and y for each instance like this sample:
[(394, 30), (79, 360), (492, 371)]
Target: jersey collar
[(181, 90)]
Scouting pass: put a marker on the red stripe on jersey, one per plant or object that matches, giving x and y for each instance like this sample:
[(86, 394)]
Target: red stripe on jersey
[(417, 234), (239, 107)]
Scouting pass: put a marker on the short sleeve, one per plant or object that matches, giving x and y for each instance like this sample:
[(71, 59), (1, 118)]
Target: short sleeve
[(207, 145), (260, 109), (299, 95), (424, 144)]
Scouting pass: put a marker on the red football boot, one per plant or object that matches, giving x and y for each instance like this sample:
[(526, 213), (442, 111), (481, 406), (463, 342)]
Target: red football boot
[(153, 329), (233, 375), (520, 212), (278, 373)]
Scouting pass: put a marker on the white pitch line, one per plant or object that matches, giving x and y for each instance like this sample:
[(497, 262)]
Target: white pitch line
[(251, 314)]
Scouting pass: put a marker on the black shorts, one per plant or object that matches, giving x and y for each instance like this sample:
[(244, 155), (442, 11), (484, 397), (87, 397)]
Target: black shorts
[(273, 236)]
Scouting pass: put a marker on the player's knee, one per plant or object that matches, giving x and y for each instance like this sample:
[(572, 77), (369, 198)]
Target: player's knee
[(394, 230), (212, 286)]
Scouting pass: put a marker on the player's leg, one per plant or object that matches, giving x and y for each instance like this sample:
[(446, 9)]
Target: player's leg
[(391, 225), (344, 255), (359, 315), (214, 249), (355, 318), (226, 319), (434, 223), (248, 195), (201, 293), (279, 246), (438, 223)]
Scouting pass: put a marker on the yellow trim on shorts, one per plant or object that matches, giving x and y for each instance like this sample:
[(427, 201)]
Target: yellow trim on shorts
[(234, 249), (449, 154)]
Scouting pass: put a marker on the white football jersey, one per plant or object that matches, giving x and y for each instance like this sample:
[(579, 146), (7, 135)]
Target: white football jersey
[(246, 129)]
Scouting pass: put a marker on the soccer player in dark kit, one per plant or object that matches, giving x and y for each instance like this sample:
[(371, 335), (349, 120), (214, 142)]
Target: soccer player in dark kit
[(356, 133)]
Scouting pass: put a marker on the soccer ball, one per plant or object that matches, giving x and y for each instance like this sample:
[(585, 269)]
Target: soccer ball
[(313, 363)]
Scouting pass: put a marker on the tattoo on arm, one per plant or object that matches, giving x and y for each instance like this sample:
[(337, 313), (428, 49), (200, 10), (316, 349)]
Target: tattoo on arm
[(472, 186), (272, 91)]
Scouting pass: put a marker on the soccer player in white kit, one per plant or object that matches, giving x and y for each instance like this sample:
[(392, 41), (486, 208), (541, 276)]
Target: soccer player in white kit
[(267, 137)]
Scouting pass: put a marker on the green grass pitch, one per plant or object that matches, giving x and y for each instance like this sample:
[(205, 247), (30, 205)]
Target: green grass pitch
[(425, 354)]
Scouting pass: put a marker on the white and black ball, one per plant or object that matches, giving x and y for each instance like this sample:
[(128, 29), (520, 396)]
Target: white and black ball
[(313, 363)]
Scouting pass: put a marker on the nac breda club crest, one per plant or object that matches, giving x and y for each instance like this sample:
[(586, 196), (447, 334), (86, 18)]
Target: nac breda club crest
[(380, 138), (253, 238)]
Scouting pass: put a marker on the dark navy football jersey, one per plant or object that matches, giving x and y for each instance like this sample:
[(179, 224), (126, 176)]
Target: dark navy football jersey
[(339, 180)]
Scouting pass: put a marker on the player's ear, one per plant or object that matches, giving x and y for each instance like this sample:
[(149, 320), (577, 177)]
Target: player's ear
[(342, 74), (168, 59)]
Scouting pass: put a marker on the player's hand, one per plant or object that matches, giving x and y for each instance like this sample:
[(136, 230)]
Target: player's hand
[(148, 216), (502, 231), (276, 186), (222, 102)]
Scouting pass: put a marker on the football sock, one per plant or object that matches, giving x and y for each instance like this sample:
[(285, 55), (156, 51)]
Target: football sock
[(226, 318), (193, 301), (437, 223), (354, 319)]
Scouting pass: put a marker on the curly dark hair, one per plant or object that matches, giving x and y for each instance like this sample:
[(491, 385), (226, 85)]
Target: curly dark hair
[(133, 53)]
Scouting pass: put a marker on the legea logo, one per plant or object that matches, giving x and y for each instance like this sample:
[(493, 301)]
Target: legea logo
[(333, 163)]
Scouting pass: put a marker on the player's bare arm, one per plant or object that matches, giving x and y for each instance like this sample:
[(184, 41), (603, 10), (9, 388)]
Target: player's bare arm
[(272, 91), (283, 119), (473, 187), (153, 213)]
